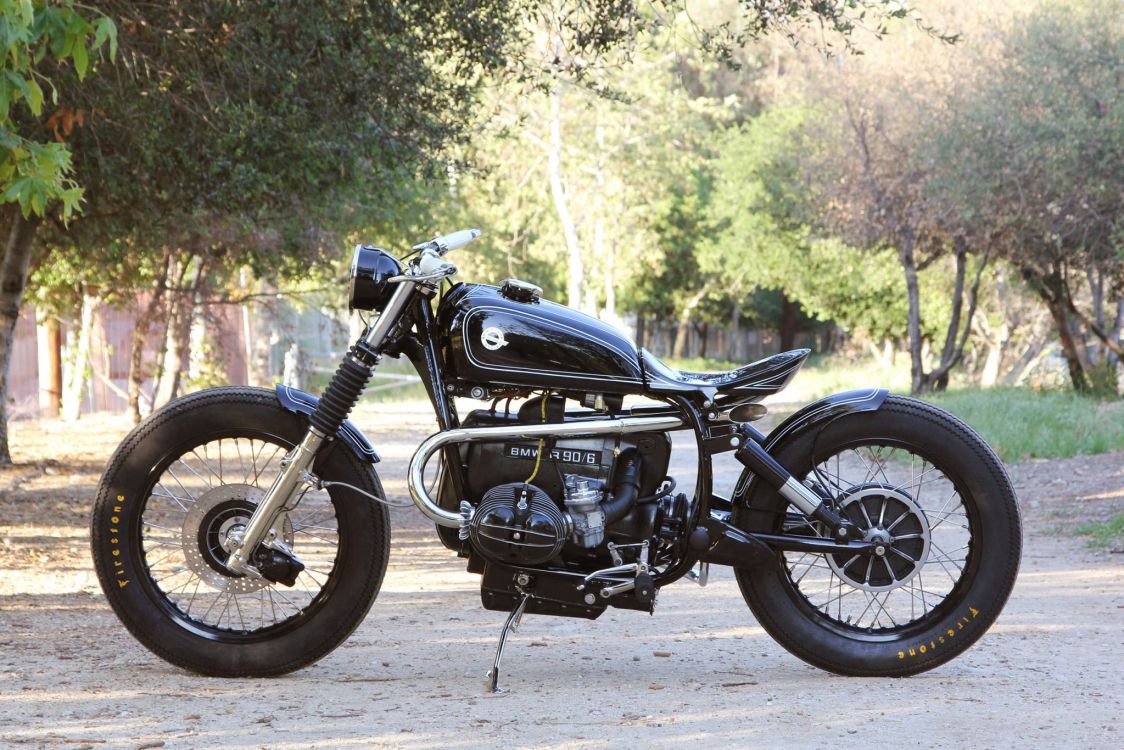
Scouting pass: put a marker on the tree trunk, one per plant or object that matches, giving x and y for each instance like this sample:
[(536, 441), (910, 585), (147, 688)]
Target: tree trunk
[(1096, 290), (13, 280), (957, 338), (948, 352), (558, 193), (685, 323), (1073, 358), (640, 331), (49, 339), (79, 371), (264, 336), (178, 337), (733, 345), (144, 323), (918, 381), (788, 323), (681, 334)]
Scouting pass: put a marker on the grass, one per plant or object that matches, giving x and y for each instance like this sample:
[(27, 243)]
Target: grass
[(1021, 423), (1107, 534)]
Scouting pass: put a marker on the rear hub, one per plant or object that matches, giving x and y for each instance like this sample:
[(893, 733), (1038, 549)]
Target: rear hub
[(890, 519)]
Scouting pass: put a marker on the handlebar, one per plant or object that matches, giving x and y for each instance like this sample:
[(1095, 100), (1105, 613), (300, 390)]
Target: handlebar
[(448, 242)]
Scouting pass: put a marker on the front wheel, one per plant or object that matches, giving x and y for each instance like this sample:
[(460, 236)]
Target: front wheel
[(939, 505), (181, 486)]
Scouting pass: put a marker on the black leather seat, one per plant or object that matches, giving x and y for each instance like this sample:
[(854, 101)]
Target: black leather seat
[(753, 381)]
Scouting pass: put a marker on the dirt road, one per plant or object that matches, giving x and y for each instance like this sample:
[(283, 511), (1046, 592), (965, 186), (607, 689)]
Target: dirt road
[(699, 673)]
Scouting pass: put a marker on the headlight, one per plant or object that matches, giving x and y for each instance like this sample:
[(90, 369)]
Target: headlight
[(370, 268)]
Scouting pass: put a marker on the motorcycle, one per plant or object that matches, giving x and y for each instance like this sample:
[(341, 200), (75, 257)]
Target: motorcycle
[(244, 532)]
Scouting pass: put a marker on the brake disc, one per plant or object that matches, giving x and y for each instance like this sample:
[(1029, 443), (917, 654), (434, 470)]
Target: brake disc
[(213, 521)]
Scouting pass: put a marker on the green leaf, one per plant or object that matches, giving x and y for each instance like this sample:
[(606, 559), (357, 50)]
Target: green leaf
[(105, 29), (81, 59), (21, 84), (34, 96)]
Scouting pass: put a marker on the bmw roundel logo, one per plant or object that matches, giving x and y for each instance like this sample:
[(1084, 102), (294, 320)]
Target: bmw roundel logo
[(492, 338)]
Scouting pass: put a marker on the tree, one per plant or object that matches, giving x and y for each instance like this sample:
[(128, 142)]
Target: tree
[(1035, 157), (39, 38), (767, 235), (270, 129)]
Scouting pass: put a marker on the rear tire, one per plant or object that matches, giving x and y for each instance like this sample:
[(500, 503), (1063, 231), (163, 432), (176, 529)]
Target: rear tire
[(978, 582), (139, 560)]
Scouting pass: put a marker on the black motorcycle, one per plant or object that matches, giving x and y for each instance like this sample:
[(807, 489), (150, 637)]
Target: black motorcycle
[(244, 532)]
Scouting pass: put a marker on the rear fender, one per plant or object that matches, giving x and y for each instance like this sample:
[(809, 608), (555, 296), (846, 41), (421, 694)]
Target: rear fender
[(815, 415), (300, 402)]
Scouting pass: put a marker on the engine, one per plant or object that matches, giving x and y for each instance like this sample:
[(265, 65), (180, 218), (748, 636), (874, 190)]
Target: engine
[(564, 505)]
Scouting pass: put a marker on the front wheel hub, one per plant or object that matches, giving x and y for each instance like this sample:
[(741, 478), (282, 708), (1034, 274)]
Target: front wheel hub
[(213, 528)]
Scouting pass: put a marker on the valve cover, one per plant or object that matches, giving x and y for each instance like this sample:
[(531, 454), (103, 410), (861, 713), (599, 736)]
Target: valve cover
[(518, 524)]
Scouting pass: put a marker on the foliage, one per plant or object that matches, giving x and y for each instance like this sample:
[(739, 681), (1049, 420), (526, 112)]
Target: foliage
[(1033, 155), (36, 36), (767, 237)]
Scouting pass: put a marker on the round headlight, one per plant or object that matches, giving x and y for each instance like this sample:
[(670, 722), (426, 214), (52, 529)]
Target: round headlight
[(370, 269)]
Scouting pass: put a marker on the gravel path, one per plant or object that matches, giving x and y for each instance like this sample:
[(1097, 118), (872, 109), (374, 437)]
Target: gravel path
[(700, 672)]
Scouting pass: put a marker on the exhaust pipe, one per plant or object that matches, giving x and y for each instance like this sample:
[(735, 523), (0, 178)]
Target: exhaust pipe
[(584, 428)]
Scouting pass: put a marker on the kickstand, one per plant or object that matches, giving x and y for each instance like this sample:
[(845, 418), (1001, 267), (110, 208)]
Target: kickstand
[(511, 624)]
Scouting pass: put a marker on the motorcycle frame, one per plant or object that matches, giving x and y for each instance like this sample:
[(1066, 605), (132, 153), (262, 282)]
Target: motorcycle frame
[(407, 326), (719, 542)]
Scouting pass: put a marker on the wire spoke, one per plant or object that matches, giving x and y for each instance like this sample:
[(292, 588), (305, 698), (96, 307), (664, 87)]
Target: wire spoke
[(178, 500), (181, 553), (898, 490)]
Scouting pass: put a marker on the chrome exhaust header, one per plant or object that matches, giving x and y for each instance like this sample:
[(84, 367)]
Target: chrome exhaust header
[(583, 428)]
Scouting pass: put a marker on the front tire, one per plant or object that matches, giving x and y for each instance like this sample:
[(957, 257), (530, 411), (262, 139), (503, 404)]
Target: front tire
[(922, 481), (172, 494)]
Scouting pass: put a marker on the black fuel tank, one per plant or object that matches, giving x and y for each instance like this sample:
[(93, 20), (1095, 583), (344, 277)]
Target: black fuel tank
[(492, 339)]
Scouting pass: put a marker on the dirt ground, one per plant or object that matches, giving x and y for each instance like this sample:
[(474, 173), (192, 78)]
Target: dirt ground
[(701, 672)]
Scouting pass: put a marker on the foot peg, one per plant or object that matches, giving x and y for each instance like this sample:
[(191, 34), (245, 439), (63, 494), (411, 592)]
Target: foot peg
[(512, 623)]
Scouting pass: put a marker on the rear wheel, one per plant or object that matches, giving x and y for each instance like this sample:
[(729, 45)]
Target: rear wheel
[(182, 487), (939, 506)]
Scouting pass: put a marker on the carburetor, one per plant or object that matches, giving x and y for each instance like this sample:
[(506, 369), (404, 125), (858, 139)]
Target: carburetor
[(583, 504)]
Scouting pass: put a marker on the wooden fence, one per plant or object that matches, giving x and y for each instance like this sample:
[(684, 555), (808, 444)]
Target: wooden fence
[(321, 340), (29, 386)]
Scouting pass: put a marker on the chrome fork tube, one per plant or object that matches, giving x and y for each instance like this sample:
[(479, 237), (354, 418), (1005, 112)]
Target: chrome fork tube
[(297, 465), (283, 489)]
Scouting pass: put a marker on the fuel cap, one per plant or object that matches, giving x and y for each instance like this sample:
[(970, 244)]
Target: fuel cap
[(521, 291)]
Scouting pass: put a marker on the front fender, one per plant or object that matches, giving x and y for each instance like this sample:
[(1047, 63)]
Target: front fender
[(305, 403)]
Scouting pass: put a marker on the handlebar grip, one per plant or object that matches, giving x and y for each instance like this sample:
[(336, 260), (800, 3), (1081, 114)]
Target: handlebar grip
[(448, 242), (457, 239)]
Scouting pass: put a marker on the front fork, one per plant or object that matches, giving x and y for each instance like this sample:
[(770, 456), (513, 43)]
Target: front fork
[(333, 408), (295, 469)]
